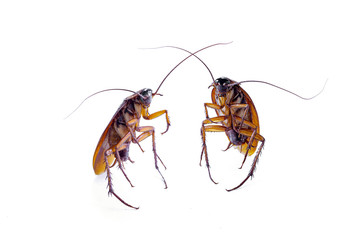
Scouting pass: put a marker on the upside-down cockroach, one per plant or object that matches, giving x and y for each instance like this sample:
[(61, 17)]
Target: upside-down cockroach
[(113, 146), (236, 117)]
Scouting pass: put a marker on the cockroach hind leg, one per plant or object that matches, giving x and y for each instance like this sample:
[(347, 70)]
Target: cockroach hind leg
[(232, 189), (110, 186), (253, 167), (111, 192)]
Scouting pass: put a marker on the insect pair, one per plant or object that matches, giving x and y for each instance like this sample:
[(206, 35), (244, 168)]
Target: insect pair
[(236, 116)]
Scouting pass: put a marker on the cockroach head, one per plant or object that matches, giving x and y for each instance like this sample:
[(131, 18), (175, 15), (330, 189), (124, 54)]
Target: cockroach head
[(146, 96), (222, 85)]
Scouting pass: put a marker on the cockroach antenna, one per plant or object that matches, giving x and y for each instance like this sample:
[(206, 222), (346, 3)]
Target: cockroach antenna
[(105, 90), (273, 85), (191, 54)]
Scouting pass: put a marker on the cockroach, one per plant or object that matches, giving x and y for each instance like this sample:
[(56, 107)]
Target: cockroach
[(114, 143), (236, 116)]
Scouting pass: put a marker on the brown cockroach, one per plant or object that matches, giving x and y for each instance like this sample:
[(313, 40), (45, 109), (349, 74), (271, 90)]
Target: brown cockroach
[(113, 146), (236, 117)]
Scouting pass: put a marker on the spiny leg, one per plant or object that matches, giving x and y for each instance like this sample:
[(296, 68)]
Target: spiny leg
[(204, 129), (255, 161), (249, 146), (252, 131), (118, 159), (209, 120), (221, 119), (146, 132), (120, 146), (145, 135), (214, 120), (110, 186)]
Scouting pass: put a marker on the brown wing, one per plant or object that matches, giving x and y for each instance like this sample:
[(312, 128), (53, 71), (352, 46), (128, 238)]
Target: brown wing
[(104, 144), (254, 120)]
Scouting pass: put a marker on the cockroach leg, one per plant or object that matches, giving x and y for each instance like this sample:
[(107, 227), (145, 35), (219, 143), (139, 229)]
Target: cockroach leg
[(129, 124), (157, 157), (122, 145), (121, 167), (213, 106), (146, 132), (148, 116), (110, 186), (229, 146), (161, 162), (249, 146), (219, 119), (204, 129), (244, 122), (130, 160), (255, 161), (232, 108), (213, 120), (202, 152)]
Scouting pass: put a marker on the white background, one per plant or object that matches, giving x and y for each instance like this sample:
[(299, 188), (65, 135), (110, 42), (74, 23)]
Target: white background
[(55, 53)]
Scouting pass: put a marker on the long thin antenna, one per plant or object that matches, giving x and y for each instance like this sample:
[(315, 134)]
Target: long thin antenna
[(246, 81), (105, 90), (121, 89), (273, 85), (192, 54)]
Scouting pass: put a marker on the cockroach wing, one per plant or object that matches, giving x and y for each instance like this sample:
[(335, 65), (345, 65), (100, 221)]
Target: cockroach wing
[(254, 120), (103, 145)]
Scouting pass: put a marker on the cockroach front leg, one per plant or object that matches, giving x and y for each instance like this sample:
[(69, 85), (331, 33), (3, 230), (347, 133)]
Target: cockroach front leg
[(219, 119), (148, 116), (204, 129), (208, 120), (146, 132), (213, 106)]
